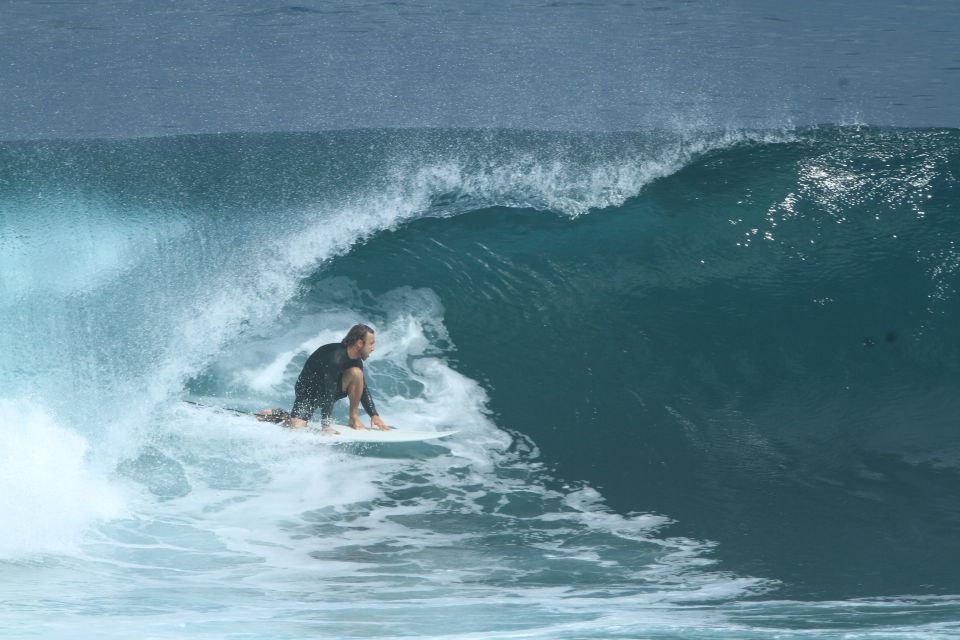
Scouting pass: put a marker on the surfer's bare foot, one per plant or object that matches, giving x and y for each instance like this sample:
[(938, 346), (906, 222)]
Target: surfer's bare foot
[(329, 431), (355, 423), (271, 415)]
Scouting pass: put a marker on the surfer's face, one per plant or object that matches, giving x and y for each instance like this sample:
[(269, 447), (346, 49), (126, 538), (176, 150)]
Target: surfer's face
[(366, 346)]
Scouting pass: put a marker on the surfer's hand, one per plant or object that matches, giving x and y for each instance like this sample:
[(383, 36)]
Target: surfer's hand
[(377, 423)]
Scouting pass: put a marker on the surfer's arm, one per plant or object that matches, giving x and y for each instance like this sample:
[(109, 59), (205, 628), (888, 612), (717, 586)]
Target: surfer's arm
[(330, 382), (366, 400)]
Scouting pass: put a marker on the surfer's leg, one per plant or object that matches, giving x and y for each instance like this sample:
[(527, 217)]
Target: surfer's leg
[(352, 384)]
